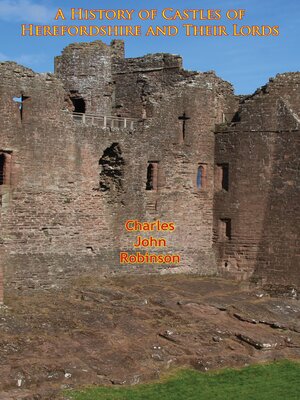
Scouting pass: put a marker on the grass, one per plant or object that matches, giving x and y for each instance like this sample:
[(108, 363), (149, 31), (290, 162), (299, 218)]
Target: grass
[(280, 380)]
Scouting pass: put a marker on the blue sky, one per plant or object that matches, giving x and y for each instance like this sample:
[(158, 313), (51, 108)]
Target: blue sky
[(246, 62)]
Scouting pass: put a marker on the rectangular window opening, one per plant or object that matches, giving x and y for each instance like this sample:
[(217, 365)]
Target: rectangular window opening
[(2, 164), (222, 178), (225, 229), (5, 167)]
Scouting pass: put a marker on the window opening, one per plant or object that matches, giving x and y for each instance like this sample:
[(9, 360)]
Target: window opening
[(2, 163), (225, 228), (79, 105), (5, 165), (223, 176), (201, 176), (152, 175)]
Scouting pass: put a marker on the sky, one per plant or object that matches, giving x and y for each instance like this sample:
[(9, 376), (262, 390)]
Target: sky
[(247, 62)]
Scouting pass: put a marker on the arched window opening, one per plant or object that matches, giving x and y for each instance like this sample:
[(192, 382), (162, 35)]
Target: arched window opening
[(149, 184), (201, 176), (152, 175)]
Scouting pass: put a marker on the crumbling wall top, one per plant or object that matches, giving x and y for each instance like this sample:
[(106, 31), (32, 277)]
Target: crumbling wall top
[(7, 68), (273, 107), (11, 73), (149, 62), (281, 83), (89, 52)]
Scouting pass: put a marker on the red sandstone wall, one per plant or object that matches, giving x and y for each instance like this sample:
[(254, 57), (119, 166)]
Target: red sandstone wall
[(156, 88), (56, 224), (262, 150), (86, 69), (50, 209), (1, 285)]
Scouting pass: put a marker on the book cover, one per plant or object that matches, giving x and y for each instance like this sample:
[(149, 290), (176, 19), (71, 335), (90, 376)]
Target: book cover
[(146, 140)]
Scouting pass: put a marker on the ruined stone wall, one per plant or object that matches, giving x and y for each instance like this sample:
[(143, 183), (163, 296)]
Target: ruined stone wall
[(136, 79), (73, 185), (51, 204), (261, 149), (177, 197), (157, 89), (70, 184), (1, 285), (86, 71)]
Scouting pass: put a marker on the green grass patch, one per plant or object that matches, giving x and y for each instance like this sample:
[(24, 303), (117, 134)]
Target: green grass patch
[(277, 381)]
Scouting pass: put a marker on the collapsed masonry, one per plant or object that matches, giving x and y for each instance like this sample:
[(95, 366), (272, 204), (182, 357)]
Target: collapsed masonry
[(106, 139)]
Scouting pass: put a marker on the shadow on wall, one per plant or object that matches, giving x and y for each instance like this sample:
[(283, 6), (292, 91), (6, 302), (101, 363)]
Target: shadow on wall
[(278, 261)]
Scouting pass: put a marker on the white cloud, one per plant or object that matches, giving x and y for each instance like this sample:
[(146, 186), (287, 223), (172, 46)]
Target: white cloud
[(25, 11)]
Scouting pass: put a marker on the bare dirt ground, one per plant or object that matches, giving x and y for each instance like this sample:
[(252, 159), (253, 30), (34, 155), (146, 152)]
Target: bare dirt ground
[(131, 329)]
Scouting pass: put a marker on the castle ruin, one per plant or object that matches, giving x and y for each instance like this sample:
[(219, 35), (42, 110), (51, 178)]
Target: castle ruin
[(106, 139)]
